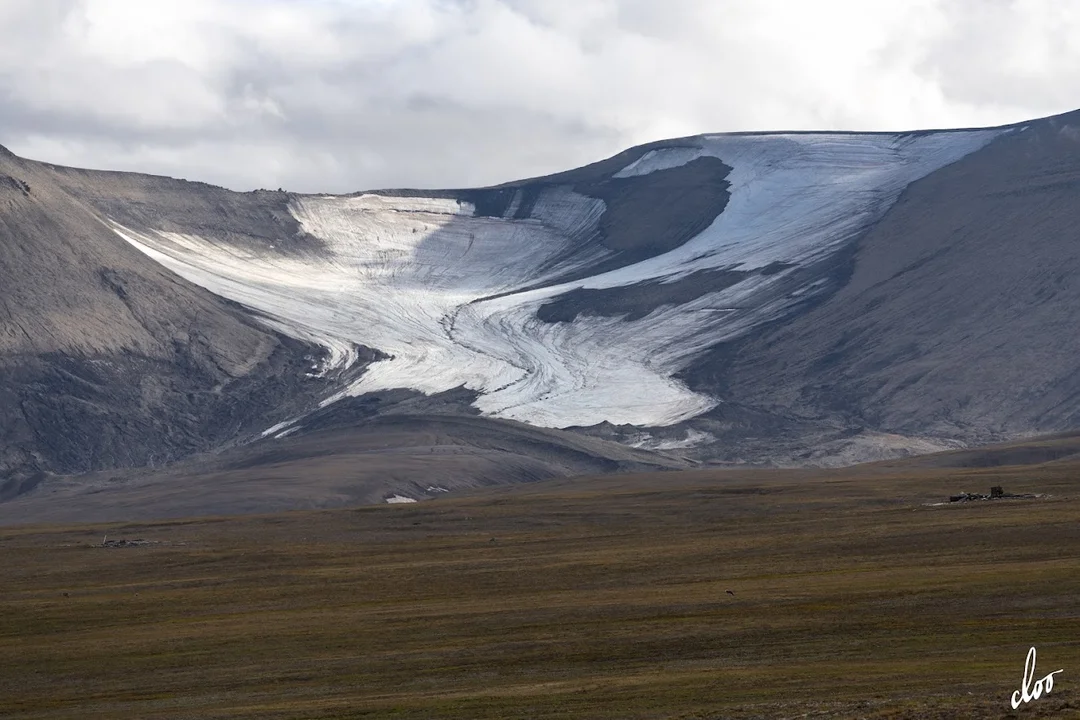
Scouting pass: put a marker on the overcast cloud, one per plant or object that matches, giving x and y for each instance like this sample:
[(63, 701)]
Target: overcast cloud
[(343, 95)]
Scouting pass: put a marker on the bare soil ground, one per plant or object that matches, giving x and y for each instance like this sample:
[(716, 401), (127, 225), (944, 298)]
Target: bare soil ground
[(851, 596)]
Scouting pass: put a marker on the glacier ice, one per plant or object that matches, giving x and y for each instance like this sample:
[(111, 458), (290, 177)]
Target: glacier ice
[(452, 297)]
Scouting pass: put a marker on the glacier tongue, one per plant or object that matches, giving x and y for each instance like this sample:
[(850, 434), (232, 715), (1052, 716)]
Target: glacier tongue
[(444, 291)]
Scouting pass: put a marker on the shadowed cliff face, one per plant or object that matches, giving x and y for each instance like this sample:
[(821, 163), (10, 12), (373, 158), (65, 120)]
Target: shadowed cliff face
[(682, 202)]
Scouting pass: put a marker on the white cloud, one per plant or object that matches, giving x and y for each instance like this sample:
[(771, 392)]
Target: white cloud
[(341, 95)]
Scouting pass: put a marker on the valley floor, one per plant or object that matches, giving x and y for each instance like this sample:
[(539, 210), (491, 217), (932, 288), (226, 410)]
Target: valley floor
[(698, 594)]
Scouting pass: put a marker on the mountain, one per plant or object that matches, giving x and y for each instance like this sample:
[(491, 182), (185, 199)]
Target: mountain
[(958, 318), (790, 298), (110, 361), (106, 358)]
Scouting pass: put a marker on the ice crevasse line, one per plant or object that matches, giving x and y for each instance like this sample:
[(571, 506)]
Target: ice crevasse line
[(443, 291)]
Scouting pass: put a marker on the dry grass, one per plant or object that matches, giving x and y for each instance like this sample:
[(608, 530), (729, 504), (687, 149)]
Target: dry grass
[(600, 598)]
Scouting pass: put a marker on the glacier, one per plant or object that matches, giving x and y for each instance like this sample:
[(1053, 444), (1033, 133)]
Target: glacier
[(451, 296)]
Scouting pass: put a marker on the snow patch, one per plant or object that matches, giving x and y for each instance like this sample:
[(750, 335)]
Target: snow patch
[(277, 428)]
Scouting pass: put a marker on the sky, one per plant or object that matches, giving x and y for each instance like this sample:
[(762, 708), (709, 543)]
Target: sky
[(347, 95)]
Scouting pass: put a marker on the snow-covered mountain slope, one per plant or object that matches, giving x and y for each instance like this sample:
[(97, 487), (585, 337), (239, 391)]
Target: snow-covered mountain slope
[(957, 318), (794, 299), (535, 305)]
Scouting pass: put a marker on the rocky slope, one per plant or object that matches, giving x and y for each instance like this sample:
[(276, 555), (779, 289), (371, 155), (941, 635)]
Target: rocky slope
[(108, 359), (959, 316)]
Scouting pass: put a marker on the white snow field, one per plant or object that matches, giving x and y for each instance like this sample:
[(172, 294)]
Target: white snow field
[(414, 277)]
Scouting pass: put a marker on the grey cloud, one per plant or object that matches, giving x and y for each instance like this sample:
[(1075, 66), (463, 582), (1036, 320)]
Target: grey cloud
[(337, 96)]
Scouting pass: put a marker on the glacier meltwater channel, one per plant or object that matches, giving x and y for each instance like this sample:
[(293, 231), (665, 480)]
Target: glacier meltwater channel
[(444, 292)]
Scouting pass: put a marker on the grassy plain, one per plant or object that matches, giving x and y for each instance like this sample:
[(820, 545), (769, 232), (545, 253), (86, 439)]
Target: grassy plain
[(850, 597)]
